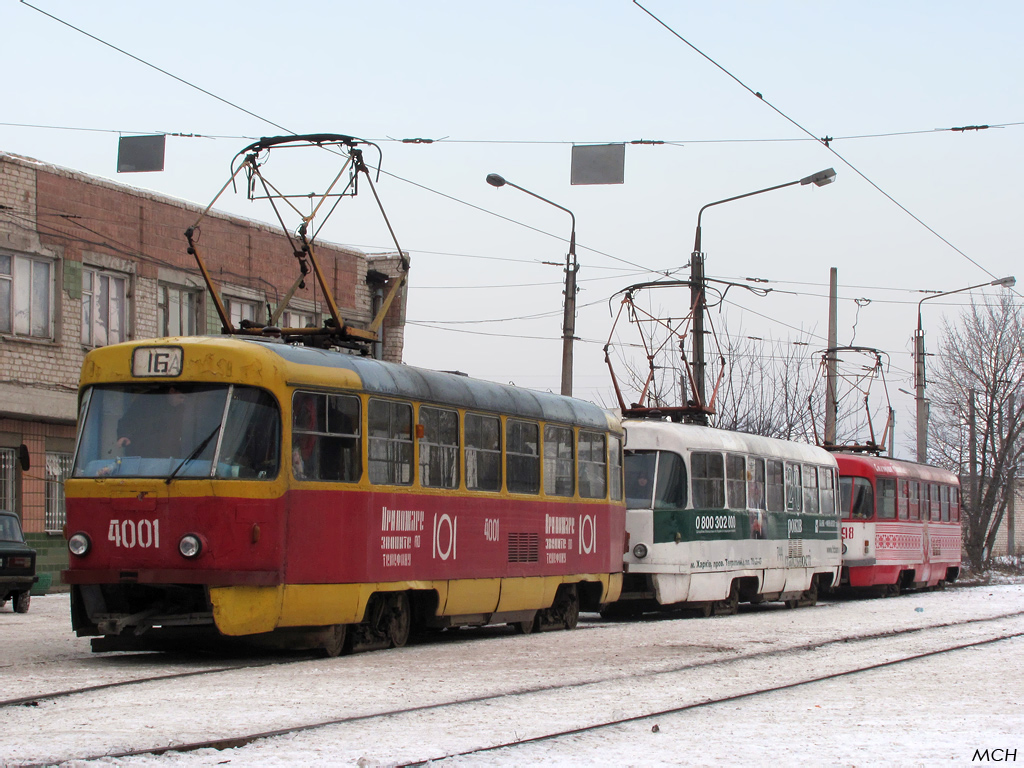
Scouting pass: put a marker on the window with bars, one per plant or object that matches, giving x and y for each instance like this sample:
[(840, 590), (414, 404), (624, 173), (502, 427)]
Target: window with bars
[(7, 486), (104, 307), (58, 468), (26, 296)]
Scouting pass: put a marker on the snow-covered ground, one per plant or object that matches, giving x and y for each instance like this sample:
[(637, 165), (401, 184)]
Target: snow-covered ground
[(937, 709)]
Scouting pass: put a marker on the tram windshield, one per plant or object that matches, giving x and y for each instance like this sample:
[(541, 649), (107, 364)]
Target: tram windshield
[(655, 480), (179, 430)]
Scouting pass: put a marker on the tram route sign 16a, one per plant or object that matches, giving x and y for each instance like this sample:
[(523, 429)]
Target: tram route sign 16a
[(156, 362)]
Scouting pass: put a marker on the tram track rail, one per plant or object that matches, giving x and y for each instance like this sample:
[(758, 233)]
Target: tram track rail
[(709, 702), (241, 740)]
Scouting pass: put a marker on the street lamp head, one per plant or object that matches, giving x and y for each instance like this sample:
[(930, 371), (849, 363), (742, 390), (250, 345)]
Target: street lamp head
[(1005, 282), (495, 180), (820, 179)]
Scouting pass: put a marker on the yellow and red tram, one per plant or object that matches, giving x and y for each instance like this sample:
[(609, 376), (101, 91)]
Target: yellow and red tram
[(300, 496)]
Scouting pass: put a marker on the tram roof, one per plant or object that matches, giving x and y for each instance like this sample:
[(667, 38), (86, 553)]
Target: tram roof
[(399, 380), (223, 358), (648, 434), (866, 465)]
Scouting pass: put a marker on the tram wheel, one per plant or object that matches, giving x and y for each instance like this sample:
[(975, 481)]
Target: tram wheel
[(399, 621), (524, 627), (730, 605), (334, 643)]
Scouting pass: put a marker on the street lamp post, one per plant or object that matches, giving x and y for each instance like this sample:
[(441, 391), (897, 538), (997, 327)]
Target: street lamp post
[(919, 377), (697, 294), (572, 266)]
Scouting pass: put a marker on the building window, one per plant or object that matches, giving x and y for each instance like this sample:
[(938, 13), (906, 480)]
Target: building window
[(104, 307), (178, 310), (58, 468), (26, 296), (7, 458), (291, 318), (239, 310)]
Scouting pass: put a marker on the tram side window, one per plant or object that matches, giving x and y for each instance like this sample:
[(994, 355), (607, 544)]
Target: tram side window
[(755, 483), (902, 500), (708, 470), (794, 488), (863, 499), (325, 437), (811, 502), (483, 452), (670, 492), (593, 465), (640, 469), (251, 446), (954, 504), (914, 500), (775, 486), (559, 473), (944, 494), (389, 445), (886, 498), (522, 456), (933, 499), (439, 448), (827, 486), (615, 468), (736, 480)]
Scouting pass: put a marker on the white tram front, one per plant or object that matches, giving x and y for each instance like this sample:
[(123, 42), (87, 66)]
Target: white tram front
[(716, 517)]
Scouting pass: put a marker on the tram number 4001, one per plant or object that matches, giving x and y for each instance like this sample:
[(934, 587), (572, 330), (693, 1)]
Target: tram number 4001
[(134, 533)]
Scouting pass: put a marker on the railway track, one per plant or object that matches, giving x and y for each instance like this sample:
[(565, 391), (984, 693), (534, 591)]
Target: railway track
[(444, 709)]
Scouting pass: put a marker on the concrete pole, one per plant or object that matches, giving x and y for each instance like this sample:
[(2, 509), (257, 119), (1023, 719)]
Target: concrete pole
[(831, 362)]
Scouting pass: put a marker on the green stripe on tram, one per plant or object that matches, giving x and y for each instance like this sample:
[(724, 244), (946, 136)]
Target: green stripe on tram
[(679, 525)]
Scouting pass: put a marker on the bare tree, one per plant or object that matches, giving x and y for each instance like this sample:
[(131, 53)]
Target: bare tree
[(982, 356), (769, 389)]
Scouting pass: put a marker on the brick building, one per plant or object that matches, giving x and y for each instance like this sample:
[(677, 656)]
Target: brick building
[(85, 262)]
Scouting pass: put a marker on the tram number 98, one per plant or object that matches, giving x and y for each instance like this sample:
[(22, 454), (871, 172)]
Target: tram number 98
[(134, 533), (716, 522)]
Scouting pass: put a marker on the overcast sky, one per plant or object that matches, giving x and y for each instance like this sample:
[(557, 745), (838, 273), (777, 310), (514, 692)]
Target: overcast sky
[(510, 87)]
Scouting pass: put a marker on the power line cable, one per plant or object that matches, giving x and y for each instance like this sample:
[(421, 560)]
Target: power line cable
[(824, 142)]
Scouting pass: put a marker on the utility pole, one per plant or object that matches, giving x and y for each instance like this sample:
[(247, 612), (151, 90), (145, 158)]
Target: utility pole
[(830, 359), (973, 455)]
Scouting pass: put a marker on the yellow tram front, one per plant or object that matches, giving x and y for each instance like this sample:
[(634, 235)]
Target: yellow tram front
[(234, 487)]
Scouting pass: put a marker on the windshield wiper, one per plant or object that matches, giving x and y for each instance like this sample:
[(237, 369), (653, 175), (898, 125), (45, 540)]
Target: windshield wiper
[(195, 452)]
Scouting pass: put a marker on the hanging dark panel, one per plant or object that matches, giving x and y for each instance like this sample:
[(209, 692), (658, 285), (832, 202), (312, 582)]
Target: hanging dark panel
[(139, 154), (598, 164)]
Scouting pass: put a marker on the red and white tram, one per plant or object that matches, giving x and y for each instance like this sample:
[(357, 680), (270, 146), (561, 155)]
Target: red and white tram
[(900, 523)]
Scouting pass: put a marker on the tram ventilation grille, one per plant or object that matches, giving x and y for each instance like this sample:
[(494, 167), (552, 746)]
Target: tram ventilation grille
[(796, 548), (523, 547)]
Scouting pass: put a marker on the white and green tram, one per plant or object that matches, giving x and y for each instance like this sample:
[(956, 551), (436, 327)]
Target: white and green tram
[(716, 517)]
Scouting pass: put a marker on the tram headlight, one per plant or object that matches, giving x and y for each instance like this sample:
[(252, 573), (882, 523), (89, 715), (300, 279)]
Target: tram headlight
[(79, 545), (190, 546), (640, 551)]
